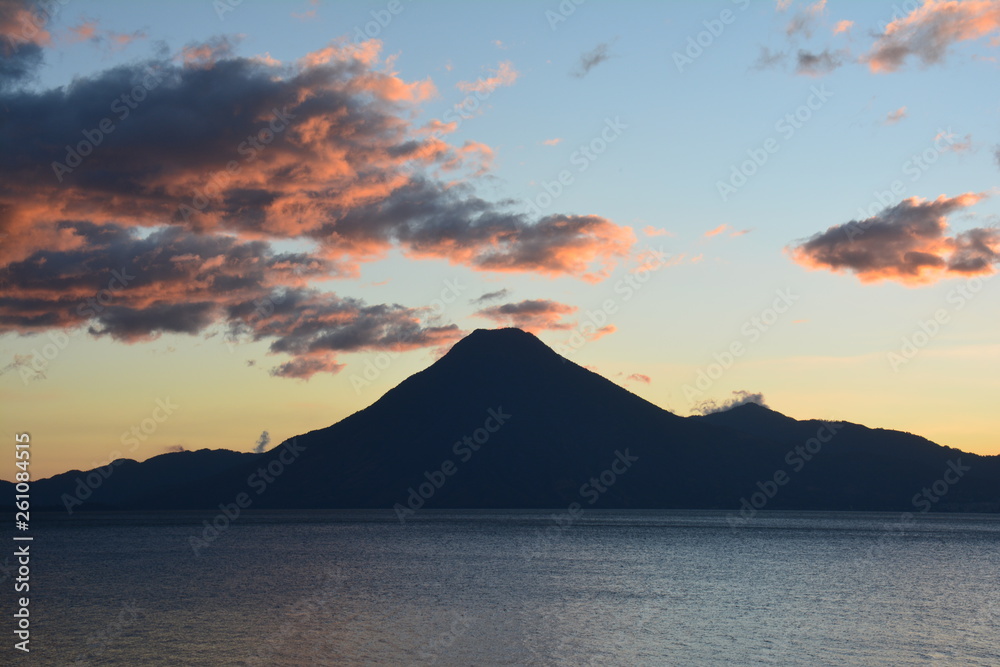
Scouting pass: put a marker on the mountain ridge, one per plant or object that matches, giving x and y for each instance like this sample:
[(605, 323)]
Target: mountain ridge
[(502, 421)]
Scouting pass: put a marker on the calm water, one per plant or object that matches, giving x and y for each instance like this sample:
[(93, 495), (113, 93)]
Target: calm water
[(496, 588)]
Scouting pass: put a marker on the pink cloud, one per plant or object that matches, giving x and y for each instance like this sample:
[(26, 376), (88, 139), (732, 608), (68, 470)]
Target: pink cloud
[(894, 117), (930, 30), (503, 75), (843, 26)]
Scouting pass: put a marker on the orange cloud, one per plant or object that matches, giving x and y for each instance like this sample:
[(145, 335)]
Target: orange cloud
[(650, 230), (551, 142), (323, 151), (894, 117), (906, 243), (84, 31), (930, 30), (21, 25), (602, 332), (639, 377), (842, 26), (503, 75), (718, 230)]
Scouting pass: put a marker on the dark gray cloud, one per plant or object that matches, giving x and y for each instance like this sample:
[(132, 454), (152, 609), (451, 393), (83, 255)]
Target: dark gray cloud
[(817, 64), (531, 314), (767, 59), (593, 58), (491, 296), (130, 288), (305, 367)]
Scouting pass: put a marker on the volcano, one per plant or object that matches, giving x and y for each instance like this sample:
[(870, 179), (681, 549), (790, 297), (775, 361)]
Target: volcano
[(502, 421)]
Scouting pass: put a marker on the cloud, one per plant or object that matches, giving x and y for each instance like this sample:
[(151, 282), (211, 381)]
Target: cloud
[(307, 15), (907, 243), (22, 364), (954, 145), (592, 59), (23, 22), (929, 31), (89, 31), (767, 60), (804, 20), (84, 31), (551, 142), (894, 117), (322, 151), (782, 5), (843, 26), (816, 64), (531, 315), (206, 54), (21, 42), (601, 332), (175, 449), (133, 289), (650, 230), (503, 75), (639, 377), (262, 442), (724, 228), (996, 155), (738, 398), (120, 40), (305, 368), (491, 296), (344, 168)]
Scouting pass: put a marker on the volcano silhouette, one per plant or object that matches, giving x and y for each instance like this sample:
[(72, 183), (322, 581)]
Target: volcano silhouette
[(502, 421)]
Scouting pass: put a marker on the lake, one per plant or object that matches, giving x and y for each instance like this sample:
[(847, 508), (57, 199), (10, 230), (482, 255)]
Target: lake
[(517, 588)]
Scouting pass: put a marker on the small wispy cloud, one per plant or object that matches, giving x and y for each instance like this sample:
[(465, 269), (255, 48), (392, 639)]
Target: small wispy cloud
[(804, 21), (650, 230), (768, 59), (843, 26), (593, 58), (894, 117), (491, 296), (503, 75)]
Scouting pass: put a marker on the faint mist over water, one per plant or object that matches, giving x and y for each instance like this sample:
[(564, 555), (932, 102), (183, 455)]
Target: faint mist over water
[(461, 588)]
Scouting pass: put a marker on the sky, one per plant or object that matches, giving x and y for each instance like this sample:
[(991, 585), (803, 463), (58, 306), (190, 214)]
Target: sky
[(226, 223)]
